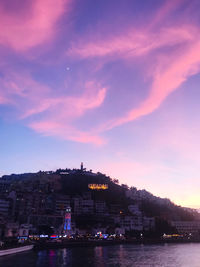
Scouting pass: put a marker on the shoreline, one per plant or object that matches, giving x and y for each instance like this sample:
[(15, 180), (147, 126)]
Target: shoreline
[(72, 244)]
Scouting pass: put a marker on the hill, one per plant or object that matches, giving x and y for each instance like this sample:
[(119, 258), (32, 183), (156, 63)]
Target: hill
[(75, 183)]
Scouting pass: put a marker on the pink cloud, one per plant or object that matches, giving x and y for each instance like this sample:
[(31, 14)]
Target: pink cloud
[(65, 132), (63, 111), (32, 26), (132, 43), (169, 75), (166, 80), (2, 100), (57, 113), (37, 25), (167, 8), (21, 91), (170, 71), (69, 107)]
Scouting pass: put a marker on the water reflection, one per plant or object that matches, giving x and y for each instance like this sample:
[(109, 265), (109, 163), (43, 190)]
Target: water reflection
[(180, 255)]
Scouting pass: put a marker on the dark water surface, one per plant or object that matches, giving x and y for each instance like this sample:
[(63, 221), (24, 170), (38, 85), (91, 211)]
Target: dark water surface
[(169, 255)]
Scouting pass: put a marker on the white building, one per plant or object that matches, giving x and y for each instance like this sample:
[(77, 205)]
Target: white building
[(131, 223), (24, 229), (187, 227)]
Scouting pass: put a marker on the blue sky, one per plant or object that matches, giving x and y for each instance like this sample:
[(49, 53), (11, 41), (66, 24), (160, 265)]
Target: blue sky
[(113, 85)]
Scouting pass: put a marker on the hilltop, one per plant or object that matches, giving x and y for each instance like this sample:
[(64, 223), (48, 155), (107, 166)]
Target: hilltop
[(74, 182)]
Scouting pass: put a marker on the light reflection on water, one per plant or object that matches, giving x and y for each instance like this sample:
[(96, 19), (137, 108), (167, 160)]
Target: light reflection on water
[(167, 255)]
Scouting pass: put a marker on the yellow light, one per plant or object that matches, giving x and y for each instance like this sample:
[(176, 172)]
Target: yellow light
[(98, 186)]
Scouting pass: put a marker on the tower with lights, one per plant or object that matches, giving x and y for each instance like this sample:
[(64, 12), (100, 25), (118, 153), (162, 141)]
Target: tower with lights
[(67, 221)]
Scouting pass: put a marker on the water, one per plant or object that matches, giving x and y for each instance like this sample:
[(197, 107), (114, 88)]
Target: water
[(167, 255)]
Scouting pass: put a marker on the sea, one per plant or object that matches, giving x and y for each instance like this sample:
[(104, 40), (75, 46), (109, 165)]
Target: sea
[(168, 255)]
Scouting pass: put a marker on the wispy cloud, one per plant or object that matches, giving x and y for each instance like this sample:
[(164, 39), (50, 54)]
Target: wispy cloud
[(62, 112), (182, 61), (52, 114), (47, 114), (65, 132), (166, 80), (164, 11), (33, 25)]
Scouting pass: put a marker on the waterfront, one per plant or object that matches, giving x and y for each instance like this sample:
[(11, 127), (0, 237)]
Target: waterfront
[(120, 255)]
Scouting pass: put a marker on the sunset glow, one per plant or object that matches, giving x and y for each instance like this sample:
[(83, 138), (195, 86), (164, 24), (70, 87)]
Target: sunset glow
[(112, 84)]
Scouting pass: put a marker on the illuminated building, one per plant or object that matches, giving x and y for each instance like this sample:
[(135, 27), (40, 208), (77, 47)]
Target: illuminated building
[(98, 186), (67, 220)]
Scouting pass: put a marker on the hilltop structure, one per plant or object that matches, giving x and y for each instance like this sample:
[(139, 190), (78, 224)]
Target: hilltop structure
[(64, 200)]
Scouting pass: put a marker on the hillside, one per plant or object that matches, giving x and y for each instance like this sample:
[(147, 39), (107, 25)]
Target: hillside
[(75, 183)]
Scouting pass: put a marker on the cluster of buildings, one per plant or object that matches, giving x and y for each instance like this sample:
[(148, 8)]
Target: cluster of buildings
[(34, 206), (25, 213), (187, 227)]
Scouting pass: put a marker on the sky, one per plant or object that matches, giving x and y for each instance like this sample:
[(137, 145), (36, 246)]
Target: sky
[(114, 84)]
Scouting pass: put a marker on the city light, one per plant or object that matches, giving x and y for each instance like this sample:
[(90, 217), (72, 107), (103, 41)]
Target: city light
[(98, 186)]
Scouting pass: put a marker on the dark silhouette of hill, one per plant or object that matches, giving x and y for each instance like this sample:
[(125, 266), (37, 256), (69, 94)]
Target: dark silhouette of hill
[(75, 183)]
